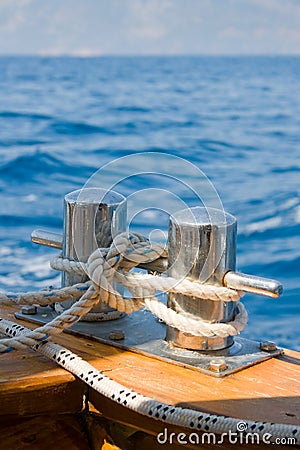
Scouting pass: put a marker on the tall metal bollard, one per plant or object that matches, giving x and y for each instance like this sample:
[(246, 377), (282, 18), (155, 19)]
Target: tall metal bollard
[(202, 246), (92, 216)]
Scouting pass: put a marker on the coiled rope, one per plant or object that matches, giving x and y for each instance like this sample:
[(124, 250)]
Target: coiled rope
[(104, 267)]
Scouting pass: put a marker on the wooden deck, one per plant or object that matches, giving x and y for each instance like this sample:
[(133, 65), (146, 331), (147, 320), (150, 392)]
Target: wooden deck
[(31, 385)]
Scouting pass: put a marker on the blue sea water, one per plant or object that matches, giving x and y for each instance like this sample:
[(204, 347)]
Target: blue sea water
[(235, 118)]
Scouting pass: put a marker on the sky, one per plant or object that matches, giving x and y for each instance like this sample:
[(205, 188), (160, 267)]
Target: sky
[(143, 27)]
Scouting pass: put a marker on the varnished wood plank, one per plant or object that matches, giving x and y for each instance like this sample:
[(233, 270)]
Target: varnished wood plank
[(268, 391), (31, 384), (233, 395), (61, 432), (55, 398)]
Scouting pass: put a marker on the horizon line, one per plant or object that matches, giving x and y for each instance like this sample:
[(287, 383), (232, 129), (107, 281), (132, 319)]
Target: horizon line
[(141, 55)]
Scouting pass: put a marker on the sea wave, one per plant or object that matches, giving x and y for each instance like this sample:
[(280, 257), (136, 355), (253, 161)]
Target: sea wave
[(29, 115), (236, 119), (32, 167)]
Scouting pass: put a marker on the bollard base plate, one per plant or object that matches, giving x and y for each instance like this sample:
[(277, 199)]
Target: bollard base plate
[(142, 333)]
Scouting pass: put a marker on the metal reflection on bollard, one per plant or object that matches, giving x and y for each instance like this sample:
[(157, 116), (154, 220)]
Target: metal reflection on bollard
[(92, 217), (202, 246)]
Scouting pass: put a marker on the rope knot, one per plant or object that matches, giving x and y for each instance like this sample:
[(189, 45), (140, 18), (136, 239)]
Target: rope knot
[(108, 265)]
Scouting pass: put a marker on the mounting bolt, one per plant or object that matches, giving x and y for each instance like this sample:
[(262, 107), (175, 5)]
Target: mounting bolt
[(29, 309), (217, 365), (116, 335), (268, 346)]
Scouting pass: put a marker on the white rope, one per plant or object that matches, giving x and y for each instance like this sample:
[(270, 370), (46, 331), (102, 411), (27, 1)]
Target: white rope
[(198, 327), (151, 282), (182, 417), (103, 268), (44, 297), (144, 287), (56, 326)]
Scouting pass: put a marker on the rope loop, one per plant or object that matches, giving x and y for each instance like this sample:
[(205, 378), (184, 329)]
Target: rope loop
[(104, 267)]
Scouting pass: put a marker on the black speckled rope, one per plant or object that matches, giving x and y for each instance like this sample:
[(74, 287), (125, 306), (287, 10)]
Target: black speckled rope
[(183, 417)]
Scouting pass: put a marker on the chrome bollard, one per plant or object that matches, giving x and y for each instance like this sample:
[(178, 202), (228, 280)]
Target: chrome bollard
[(92, 216), (202, 246)]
